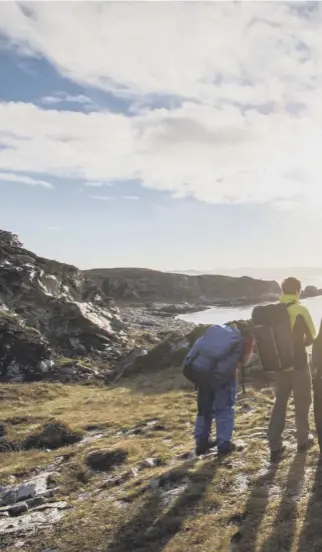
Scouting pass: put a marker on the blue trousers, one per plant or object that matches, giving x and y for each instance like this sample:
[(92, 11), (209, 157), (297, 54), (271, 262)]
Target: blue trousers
[(218, 405)]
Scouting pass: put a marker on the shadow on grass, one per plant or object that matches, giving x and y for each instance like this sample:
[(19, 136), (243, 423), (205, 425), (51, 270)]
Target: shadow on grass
[(286, 517), (311, 535), (161, 517), (255, 510)]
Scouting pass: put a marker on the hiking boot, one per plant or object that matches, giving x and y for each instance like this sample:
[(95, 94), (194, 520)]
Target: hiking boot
[(306, 446), (204, 446), (226, 448), (277, 455)]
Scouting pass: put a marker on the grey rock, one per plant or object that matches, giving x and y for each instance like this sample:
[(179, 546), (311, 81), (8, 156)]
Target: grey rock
[(49, 310), (155, 483), (128, 364), (35, 502), (18, 509), (30, 521), (29, 489), (150, 463), (60, 505)]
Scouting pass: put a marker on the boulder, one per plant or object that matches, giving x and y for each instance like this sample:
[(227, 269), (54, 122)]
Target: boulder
[(23, 350), (18, 509), (311, 291), (29, 489), (170, 352)]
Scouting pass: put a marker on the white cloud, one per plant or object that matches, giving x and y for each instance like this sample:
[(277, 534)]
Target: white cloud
[(62, 97), (215, 155), (249, 76), (22, 179), (130, 198), (247, 52)]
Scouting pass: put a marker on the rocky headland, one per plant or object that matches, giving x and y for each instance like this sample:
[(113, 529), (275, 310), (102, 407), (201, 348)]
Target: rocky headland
[(58, 323), (96, 425)]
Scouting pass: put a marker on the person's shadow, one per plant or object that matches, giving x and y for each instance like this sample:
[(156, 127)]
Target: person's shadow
[(255, 510), (285, 520), (311, 535), (151, 529)]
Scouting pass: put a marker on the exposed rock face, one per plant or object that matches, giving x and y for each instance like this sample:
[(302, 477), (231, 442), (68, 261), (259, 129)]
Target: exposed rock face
[(311, 291), (50, 309), (29, 506), (143, 285), (171, 352)]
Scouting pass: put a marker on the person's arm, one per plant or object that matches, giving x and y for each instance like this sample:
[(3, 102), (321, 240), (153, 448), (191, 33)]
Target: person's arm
[(310, 331)]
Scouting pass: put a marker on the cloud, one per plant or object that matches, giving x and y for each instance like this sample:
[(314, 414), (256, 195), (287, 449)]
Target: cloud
[(22, 179), (245, 52), (130, 198), (56, 228), (248, 75), (62, 97), (214, 155)]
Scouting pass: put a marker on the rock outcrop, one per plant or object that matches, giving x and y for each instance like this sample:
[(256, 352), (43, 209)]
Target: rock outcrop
[(51, 311), (143, 285), (311, 291)]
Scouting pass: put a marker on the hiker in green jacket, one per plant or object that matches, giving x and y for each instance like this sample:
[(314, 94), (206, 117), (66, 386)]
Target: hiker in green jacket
[(296, 379)]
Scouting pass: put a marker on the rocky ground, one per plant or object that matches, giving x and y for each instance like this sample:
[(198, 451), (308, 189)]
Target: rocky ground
[(112, 469), (96, 424), (148, 322), (57, 325)]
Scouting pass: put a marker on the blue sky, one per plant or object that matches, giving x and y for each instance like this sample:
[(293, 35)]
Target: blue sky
[(169, 136)]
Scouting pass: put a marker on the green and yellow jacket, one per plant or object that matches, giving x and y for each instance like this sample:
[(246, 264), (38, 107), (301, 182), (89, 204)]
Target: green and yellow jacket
[(303, 328)]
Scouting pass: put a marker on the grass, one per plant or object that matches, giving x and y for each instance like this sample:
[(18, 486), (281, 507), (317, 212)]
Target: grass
[(262, 509)]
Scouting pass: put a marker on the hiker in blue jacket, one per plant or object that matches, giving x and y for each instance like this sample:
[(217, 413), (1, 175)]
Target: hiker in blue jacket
[(227, 348)]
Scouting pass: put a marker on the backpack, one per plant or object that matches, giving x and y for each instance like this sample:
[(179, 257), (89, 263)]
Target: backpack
[(213, 359), (274, 336)]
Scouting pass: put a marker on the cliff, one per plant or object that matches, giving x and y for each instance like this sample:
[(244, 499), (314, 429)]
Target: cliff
[(50, 310), (143, 285)]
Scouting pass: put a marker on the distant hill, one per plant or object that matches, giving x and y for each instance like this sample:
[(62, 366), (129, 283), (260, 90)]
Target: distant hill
[(308, 275), (145, 285)]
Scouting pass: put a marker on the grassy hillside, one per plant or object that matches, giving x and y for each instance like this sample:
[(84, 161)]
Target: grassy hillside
[(240, 503)]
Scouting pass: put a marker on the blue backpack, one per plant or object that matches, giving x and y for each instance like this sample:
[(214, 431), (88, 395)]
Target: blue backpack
[(213, 358)]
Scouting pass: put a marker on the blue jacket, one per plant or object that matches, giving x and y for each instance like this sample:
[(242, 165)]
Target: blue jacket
[(219, 349)]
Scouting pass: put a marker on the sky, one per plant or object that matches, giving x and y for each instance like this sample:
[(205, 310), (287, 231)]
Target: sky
[(168, 135)]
